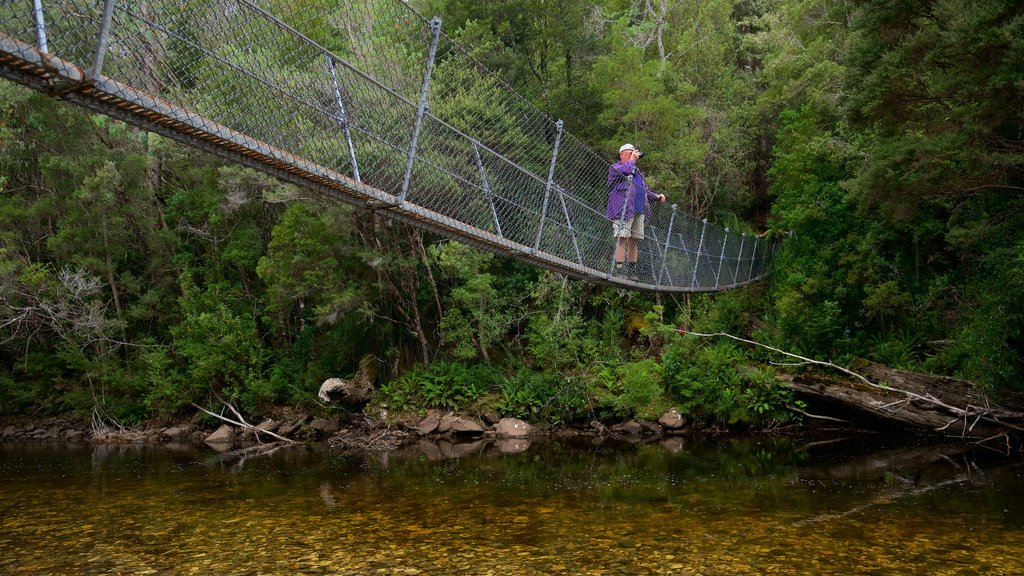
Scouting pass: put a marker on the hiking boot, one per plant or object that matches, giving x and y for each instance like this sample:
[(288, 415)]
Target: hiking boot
[(633, 271)]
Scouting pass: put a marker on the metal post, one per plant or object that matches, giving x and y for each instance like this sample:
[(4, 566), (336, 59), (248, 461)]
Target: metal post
[(37, 11), (664, 253), (547, 189), (622, 221), (342, 118), (721, 259), (101, 43), (700, 246), (487, 189), (568, 222), (753, 256), (421, 108), (739, 259), (764, 257)]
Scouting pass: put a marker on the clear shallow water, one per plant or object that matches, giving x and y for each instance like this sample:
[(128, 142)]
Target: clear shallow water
[(727, 507)]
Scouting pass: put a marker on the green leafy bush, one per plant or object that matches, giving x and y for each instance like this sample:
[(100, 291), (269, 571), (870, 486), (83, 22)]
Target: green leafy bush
[(717, 382), (446, 385), (544, 396), (632, 389)]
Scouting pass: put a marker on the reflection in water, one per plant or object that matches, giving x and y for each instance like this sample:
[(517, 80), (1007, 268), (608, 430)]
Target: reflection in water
[(750, 506)]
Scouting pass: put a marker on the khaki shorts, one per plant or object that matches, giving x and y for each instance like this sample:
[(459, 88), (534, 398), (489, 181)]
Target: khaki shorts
[(631, 228)]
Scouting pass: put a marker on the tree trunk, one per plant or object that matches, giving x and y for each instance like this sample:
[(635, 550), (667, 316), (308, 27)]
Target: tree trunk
[(918, 401)]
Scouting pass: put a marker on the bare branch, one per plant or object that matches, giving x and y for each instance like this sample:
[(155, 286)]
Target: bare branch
[(243, 425)]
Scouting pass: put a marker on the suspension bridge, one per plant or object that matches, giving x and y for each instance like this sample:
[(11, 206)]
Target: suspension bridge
[(370, 103)]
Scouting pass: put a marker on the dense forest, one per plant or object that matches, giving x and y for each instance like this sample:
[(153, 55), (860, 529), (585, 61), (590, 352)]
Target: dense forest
[(139, 276)]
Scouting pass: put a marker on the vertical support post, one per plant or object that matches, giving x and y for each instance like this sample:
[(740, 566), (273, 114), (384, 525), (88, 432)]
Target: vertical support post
[(421, 108), (739, 259), (101, 43), (37, 11), (342, 118), (700, 246), (721, 259), (664, 252), (622, 221), (763, 264), (547, 189), (487, 189), (753, 256), (568, 222)]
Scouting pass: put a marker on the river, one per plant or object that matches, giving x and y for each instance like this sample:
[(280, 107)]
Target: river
[(859, 505)]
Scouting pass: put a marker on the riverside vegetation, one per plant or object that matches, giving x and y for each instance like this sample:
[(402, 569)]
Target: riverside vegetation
[(139, 277)]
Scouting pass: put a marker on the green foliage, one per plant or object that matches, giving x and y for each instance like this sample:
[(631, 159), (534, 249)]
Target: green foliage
[(632, 390), (525, 394), (542, 396), (718, 382), (444, 385), (220, 348), (939, 95), (476, 316)]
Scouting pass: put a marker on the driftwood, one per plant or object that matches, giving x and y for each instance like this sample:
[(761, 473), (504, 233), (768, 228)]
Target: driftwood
[(241, 421), (936, 404)]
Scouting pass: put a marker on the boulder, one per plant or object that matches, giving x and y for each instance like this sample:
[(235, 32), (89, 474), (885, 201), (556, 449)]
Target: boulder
[(269, 425), (512, 428), (428, 424), (460, 425), (651, 428), (324, 426), (491, 417), (631, 428), (672, 420), (74, 435), (291, 426), (444, 424), (221, 435), (177, 432)]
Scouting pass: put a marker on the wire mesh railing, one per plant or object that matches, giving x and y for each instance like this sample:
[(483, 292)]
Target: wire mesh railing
[(374, 104)]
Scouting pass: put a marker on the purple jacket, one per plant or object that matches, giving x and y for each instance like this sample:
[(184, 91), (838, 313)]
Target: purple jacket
[(618, 186)]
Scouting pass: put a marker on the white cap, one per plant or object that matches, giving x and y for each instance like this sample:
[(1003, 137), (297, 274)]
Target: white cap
[(626, 147)]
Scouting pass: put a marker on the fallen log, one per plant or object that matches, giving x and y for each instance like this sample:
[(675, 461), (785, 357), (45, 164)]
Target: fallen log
[(927, 403)]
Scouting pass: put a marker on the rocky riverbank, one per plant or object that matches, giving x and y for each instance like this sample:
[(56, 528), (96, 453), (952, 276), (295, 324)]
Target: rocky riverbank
[(441, 428)]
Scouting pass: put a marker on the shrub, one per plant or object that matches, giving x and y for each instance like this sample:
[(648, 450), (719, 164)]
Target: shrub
[(632, 389), (446, 385), (543, 396), (717, 382)]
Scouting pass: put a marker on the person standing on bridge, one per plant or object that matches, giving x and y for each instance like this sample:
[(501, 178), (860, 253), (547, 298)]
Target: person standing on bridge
[(627, 208)]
